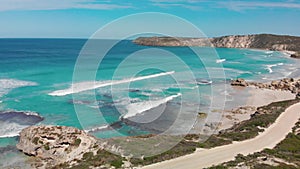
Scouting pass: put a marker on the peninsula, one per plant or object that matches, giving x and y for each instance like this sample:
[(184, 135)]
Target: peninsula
[(285, 43)]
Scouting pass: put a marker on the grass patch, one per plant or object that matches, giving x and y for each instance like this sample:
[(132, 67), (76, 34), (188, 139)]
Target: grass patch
[(90, 159), (214, 141), (183, 148)]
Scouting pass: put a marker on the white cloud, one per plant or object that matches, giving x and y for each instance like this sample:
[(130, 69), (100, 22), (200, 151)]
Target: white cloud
[(238, 5), (169, 5), (188, 4), (242, 5), (176, 1), (7, 5)]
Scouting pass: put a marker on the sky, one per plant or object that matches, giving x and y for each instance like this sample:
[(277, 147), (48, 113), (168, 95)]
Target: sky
[(81, 18)]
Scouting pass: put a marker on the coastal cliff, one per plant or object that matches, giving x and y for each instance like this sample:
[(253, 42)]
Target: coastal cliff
[(260, 41)]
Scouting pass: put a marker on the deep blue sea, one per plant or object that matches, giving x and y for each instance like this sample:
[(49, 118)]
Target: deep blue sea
[(36, 78)]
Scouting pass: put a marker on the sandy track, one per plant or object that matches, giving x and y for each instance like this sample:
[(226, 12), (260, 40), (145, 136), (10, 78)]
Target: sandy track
[(208, 157)]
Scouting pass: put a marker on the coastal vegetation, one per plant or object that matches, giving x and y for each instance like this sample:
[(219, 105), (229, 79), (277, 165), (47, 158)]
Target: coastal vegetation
[(182, 148), (286, 155), (89, 159), (262, 118)]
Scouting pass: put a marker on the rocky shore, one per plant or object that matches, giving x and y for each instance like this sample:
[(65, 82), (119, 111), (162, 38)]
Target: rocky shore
[(54, 145), (287, 84), (288, 44)]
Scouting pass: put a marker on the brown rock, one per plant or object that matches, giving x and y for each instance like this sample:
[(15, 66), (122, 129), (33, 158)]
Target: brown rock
[(55, 144), (239, 82)]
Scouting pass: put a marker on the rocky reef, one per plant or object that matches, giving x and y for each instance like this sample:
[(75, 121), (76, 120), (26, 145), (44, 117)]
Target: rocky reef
[(260, 41), (287, 84), (53, 145)]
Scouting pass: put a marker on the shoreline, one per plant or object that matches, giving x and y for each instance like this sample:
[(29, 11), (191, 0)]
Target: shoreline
[(258, 97)]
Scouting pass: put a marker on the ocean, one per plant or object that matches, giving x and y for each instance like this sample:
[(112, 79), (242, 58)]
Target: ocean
[(138, 90)]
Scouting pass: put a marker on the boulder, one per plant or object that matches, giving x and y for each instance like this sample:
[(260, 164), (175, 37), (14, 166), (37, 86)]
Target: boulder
[(296, 55), (298, 96), (239, 82), (274, 83)]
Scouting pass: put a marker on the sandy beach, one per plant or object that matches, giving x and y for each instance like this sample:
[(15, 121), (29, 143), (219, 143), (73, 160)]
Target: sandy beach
[(257, 98)]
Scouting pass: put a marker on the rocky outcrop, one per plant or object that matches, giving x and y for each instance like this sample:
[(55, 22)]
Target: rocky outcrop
[(53, 145), (260, 41), (295, 55), (239, 82), (287, 84), (244, 110), (234, 41)]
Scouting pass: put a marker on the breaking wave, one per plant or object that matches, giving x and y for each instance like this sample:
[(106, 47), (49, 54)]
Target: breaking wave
[(8, 84), (140, 107), (12, 122), (84, 86), (220, 60), (269, 67)]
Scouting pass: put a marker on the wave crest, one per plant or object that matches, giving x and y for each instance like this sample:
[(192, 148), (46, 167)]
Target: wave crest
[(8, 84), (140, 107), (84, 86), (13, 122)]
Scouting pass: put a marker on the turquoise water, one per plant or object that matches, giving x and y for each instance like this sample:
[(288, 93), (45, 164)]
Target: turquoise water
[(31, 70)]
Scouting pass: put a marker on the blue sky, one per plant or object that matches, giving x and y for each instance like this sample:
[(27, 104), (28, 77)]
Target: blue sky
[(81, 18)]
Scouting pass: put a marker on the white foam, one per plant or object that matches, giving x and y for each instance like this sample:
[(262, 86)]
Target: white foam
[(84, 86), (140, 107), (269, 52), (10, 129), (96, 129), (221, 69), (205, 82), (190, 88), (220, 60), (146, 94), (8, 84), (269, 67), (29, 113)]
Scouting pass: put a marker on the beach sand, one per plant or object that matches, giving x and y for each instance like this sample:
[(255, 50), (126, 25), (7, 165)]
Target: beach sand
[(257, 98)]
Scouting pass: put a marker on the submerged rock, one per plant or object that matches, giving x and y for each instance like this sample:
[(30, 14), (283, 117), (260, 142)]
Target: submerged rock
[(55, 145), (20, 117)]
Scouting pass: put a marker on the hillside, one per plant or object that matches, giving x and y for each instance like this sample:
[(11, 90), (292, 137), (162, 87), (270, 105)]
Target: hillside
[(260, 41)]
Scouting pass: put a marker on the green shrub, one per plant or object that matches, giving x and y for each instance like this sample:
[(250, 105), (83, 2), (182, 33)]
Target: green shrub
[(77, 142), (117, 163), (46, 147), (35, 140)]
